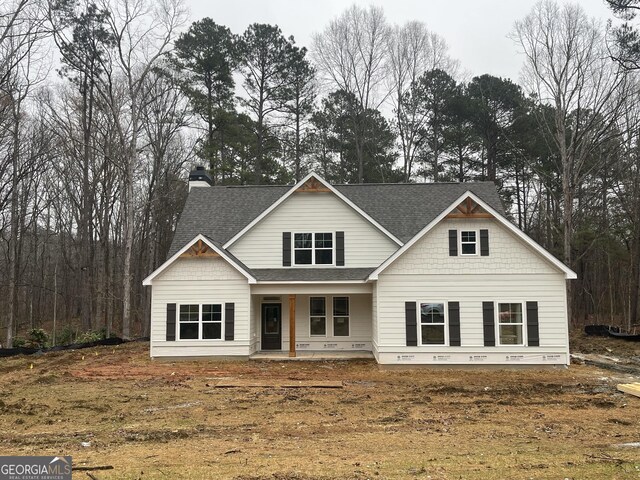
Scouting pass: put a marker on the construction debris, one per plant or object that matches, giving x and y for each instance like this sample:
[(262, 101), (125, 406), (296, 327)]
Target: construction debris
[(630, 388)]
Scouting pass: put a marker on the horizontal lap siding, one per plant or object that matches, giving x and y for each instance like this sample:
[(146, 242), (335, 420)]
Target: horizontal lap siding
[(200, 280), (365, 245), (471, 291)]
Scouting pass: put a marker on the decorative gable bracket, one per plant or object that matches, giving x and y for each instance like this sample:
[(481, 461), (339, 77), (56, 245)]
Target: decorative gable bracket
[(469, 208), (312, 185), (199, 249)]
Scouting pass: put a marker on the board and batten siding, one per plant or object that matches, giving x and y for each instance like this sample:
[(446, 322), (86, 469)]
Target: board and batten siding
[(200, 280), (359, 323), (511, 273), (365, 245)]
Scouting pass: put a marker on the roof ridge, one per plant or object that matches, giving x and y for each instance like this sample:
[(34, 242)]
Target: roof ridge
[(398, 184), (409, 183)]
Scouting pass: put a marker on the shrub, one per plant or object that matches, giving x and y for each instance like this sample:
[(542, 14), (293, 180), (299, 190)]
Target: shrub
[(66, 336), (19, 342), (90, 336), (38, 338)]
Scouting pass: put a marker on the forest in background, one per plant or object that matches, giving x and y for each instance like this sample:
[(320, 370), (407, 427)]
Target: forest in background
[(105, 106)]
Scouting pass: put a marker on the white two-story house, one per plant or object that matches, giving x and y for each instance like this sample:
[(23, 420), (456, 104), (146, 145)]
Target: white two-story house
[(414, 273)]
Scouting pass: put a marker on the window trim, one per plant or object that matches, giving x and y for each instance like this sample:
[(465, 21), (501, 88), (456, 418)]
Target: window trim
[(419, 323), (496, 314), (313, 249), (333, 326), (476, 243), (315, 335), (200, 324)]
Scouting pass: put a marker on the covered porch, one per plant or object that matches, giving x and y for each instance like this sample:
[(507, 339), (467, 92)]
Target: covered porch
[(321, 321)]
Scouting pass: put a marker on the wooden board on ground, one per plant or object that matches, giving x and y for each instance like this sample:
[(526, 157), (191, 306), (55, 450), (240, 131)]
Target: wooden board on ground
[(275, 383), (630, 388)]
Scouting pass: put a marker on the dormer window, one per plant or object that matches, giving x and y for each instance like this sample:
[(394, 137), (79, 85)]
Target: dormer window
[(468, 242), (313, 248)]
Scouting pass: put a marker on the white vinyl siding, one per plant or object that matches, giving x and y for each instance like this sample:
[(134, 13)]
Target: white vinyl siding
[(200, 281), (365, 245), (471, 291)]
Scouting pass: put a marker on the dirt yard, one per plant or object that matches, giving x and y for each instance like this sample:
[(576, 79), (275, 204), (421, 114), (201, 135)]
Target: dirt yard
[(148, 419)]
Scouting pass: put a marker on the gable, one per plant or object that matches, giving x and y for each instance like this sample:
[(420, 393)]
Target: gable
[(201, 249), (199, 269), (472, 208), (508, 254), (313, 211), (311, 184)]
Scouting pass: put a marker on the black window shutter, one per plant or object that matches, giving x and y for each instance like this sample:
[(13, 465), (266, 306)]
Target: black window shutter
[(340, 249), (488, 324), (453, 243), (533, 334), (484, 243), (412, 326), (171, 322), (229, 320), (454, 324), (286, 249)]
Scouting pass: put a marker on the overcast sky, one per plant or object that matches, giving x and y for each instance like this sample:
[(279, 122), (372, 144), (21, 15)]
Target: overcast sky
[(476, 30)]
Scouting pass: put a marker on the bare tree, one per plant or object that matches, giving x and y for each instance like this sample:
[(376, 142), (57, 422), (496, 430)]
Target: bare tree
[(351, 55), (142, 31), (165, 114), (567, 66), (413, 50), (21, 69)]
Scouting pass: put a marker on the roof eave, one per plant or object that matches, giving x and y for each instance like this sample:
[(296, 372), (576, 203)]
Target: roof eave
[(311, 282)]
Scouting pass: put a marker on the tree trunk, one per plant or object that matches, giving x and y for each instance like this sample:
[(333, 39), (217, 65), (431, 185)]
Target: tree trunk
[(13, 234), (128, 230)]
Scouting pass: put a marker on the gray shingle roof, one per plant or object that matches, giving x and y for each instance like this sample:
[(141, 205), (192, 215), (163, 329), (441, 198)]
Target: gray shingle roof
[(221, 212), (403, 209), (310, 274)]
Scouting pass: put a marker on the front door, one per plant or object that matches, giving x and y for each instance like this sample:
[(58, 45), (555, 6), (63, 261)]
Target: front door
[(271, 326)]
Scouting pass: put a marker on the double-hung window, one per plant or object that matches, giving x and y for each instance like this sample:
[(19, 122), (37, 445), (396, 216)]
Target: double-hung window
[(313, 248), (340, 316), (317, 316), (432, 323), (510, 324), (200, 322), (469, 242)]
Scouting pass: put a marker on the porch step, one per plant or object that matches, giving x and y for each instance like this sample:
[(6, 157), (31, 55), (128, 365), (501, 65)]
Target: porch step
[(318, 356)]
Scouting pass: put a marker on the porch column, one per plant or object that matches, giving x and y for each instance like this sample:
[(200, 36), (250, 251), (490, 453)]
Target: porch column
[(292, 325)]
